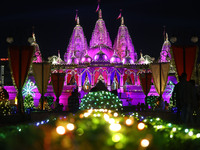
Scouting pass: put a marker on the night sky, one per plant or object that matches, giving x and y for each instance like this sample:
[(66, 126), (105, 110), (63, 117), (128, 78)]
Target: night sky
[(54, 22)]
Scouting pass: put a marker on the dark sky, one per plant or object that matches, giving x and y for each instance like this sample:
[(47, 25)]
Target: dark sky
[(54, 22)]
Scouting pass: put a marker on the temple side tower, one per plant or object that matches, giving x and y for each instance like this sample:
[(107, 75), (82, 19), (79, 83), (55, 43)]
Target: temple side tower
[(37, 57), (123, 42), (165, 55), (77, 44)]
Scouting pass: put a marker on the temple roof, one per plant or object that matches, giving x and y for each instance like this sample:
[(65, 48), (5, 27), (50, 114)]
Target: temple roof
[(100, 35), (127, 60), (77, 43), (115, 59), (123, 41), (86, 58), (73, 60), (101, 56)]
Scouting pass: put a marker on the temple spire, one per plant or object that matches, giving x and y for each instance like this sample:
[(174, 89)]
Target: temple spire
[(122, 21), (37, 57), (58, 53), (100, 14), (77, 21), (166, 36)]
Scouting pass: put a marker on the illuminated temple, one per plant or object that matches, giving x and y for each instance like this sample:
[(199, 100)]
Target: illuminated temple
[(116, 64)]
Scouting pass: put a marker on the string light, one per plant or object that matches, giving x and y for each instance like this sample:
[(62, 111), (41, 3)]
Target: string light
[(115, 127), (60, 130), (144, 143), (141, 126), (70, 126), (129, 122)]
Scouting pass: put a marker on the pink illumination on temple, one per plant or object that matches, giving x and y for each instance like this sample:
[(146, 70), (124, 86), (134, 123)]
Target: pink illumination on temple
[(100, 37), (165, 55), (117, 67), (123, 42), (37, 57), (77, 44), (115, 59)]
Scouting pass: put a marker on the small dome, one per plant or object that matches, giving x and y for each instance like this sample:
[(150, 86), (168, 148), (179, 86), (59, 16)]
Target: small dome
[(73, 60), (115, 59), (127, 60), (100, 57), (86, 59), (141, 60)]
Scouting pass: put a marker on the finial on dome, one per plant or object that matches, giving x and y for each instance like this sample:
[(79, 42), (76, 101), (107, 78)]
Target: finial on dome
[(77, 18), (141, 55), (122, 20), (166, 37), (58, 53), (77, 21), (100, 14), (33, 35)]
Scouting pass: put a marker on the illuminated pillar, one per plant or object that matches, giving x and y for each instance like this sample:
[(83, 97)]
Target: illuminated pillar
[(108, 80), (79, 82), (92, 79), (121, 83), (136, 79)]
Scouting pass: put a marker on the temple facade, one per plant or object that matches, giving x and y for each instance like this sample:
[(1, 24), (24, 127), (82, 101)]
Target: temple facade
[(116, 64)]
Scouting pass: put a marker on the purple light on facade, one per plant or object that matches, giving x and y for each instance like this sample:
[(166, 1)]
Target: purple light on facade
[(165, 53), (37, 57), (77, 44), (127, 60), (123, 42), (115, 59), (86, 59), (73, 60), (100, 37), (100, 57)]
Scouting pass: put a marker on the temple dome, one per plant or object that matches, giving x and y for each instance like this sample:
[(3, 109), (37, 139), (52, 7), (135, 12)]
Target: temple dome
[(115, 59), (86, 59), (127, 60), (141, 60), (73, 60), (100, 57)]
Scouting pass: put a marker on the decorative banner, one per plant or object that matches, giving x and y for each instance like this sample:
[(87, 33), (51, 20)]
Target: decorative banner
[(20, 59), (155, 69), (37, 71), (190, 58), (145, 81), (57, 80)]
